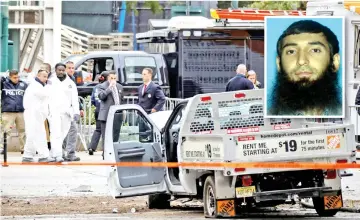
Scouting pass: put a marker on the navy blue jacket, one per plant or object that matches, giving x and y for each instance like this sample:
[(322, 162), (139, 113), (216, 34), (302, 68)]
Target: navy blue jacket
[(95, 98), (239, 82), (12, 96), (153, 97)]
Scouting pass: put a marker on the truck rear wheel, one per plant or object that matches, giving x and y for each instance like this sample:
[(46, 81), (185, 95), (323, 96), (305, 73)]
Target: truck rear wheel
[(209, 198), (320, 208), (159, 201)]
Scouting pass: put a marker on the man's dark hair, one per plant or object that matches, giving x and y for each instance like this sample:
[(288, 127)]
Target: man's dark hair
[(105, 74), (313, 27), (60, 64), (111, 72), (149, 70), (13, 72), (289, 97)]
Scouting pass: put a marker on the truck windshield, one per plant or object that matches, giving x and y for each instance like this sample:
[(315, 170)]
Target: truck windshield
[(73, 58), (135, 65)]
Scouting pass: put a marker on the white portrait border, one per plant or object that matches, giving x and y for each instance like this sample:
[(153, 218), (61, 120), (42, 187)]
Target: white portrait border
[(342, 63)]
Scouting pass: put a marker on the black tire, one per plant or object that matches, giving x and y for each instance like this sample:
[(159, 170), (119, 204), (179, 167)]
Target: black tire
[(159, 201), (320, 209), (209, 203)]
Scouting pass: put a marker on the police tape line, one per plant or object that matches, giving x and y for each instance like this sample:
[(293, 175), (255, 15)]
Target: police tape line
[(294, 165)]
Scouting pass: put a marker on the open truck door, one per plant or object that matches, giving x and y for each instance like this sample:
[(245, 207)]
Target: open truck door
[(131, 136)]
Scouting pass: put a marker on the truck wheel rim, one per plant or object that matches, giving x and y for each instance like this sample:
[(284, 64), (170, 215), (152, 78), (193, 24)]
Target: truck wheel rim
[(210, 201)]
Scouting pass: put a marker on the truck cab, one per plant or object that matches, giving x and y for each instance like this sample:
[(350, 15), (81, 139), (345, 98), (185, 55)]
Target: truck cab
[(127, 64)]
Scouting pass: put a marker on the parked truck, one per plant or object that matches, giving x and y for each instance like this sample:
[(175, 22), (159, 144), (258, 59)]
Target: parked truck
[(127, 64), (229, 128)]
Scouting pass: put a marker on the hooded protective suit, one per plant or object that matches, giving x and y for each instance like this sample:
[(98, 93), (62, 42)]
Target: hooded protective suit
[(62, 110), (36, 107)]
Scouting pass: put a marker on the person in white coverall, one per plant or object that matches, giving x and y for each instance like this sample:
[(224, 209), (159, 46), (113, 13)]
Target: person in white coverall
[(70, 110), (36, 100), (61, 112)]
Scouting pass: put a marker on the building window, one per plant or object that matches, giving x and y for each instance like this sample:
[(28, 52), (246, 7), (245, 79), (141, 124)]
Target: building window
[(357, 47)]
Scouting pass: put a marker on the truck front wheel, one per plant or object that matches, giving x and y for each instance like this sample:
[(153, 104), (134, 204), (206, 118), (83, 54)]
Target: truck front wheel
[(320, 208), (159, 201), (209, 197)]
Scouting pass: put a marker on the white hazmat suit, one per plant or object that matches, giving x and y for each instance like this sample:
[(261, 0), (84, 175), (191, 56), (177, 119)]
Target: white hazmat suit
[(36, 99), (63, 106), (59, 118)]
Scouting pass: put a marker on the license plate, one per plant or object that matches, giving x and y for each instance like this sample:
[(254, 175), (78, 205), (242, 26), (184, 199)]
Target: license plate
[(247, 191)]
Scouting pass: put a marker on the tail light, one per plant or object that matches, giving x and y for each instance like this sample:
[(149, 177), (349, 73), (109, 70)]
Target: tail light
[(240, 95), (330, 174), (239, 169), (205, 98), (341, 161), (246, 180)]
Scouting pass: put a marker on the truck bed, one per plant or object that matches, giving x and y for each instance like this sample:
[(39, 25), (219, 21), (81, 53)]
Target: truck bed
[(223, 128)]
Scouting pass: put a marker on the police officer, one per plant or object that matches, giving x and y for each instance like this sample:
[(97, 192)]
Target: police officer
[(239, 82), (12, 95)]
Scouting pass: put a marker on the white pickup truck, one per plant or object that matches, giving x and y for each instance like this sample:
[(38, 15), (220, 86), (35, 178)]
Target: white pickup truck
[(224, 127)]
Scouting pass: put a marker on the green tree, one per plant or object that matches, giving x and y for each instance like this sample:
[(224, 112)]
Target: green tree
[(244, 4), (224, 4), (154, 6), (279, 5)]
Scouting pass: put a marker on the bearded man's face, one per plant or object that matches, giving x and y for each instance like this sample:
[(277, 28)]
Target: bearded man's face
[(305, 58)]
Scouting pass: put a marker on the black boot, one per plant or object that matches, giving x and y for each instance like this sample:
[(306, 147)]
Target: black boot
[(49, 145), (91, 152)]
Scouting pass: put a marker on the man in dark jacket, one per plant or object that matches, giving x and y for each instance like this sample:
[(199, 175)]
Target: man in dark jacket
[(239, 82), (150, 95), (96, 102), (151, 98), (12, 109)]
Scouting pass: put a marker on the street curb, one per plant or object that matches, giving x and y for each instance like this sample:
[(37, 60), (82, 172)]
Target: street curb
[(343, 209)]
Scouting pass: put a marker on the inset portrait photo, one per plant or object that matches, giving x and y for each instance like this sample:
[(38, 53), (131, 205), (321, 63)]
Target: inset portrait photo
[(304, 67)]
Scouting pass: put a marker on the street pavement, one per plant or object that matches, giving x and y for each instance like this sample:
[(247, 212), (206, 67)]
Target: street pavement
[(191, 214), (44, 181)]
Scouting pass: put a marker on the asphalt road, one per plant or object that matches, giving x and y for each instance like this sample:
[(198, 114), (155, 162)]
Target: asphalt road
[(43, 181), (192, 214)]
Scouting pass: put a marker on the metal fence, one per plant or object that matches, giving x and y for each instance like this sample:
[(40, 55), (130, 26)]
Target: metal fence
[(86, 126)]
